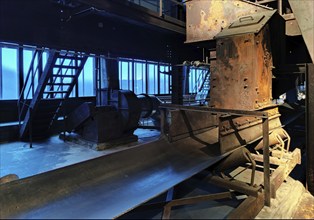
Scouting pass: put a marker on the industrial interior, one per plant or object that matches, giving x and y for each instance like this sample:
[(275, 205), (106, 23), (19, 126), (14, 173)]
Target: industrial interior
[(157, 109)]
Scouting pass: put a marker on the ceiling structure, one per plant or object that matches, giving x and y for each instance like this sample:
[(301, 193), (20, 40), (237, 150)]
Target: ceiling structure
[(118, 28)]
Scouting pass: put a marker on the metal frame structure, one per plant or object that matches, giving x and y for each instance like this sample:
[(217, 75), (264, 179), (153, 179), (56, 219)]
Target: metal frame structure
[(251, 206), (260, 114)]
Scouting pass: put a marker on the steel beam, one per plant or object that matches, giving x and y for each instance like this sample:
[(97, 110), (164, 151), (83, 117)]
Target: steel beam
[(133, 13), (217, 110)]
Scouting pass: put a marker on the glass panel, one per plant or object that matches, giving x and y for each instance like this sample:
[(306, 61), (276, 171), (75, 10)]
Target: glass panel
[(86, 79), (124, 74), (9, 76), (130, 73), (152, 79), (139, 83), (27, 58)]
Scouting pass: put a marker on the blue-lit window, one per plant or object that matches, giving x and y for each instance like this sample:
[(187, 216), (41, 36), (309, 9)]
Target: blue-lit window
[(9, 74), (28, 55), (196, 78), (125, 74), (165, 79), (152, 78), (141, 76), (86, 79)]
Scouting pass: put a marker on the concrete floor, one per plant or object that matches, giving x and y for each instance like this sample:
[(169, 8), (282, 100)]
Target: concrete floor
[(18, 158)]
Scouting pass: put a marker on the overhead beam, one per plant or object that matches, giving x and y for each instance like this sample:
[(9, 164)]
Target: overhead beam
[(134, 13)]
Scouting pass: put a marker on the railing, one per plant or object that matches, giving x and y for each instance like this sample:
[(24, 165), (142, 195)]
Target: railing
[(199, 86), (163, 7), (31, 74)]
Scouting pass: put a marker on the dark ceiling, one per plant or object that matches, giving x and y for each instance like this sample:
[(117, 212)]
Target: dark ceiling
[(93, 29)]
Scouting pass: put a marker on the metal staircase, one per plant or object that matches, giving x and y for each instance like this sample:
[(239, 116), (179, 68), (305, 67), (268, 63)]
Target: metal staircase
[(203, 84), (41, 106)]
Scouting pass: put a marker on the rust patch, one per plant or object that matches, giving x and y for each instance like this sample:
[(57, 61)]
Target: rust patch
[(243, 78), (205, 19)]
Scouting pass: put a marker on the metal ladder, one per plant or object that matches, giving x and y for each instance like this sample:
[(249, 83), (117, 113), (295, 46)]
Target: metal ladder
[(54, 86), (203, 89)]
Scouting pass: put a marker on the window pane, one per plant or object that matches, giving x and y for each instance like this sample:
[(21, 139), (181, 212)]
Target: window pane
[(152, 79), (9, 74), (27, 58), (140, 78), (124, 72), (86, 79)]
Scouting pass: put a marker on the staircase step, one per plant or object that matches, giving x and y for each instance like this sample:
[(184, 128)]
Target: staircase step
[(60, 75), (58, 84), (66, 67), (71, 57), (55, 92)]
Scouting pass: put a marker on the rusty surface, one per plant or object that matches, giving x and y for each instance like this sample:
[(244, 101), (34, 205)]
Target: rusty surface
[(242, 78), (206, 18), (235, 132), (305, 209), (274, 138), (249, 208), (186, 123)]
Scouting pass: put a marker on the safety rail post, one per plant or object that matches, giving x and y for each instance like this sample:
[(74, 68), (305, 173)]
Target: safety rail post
[(160, 8), (30, 127), (266, 163), (162, 121)]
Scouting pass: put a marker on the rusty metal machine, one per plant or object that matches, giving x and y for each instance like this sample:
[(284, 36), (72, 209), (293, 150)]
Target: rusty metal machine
[(241, 74), (241, 34), (116, 116)]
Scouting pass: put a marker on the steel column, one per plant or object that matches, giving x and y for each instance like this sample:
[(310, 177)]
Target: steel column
[(279, 6), (310, 128), (112, 74), (21, 68), (1, 75)]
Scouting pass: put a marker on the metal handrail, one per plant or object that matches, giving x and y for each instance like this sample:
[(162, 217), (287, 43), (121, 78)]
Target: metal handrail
[(200, 80), (204, 80), (31, 72)]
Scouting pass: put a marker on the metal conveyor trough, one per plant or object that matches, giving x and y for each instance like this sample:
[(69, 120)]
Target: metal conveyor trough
[(110, 185)]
